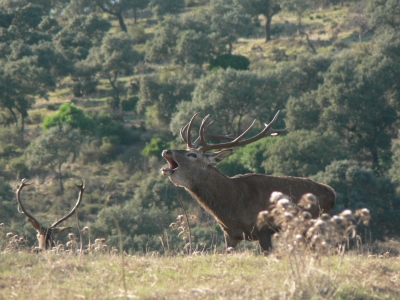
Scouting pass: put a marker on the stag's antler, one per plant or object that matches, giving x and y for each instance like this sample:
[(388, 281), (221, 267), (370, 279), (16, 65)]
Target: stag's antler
[(46, 235), (204, 134), (35, 224), (81, 188)]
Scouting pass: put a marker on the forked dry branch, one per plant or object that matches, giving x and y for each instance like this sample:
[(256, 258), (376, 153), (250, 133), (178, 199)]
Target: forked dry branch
[(46, 235)]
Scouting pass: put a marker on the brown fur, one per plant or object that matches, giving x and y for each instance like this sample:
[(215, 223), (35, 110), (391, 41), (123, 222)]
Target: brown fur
[(236, 201)]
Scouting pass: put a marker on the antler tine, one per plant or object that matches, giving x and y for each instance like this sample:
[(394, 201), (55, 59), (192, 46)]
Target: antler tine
[(182, 132), (187, 128), (35, 223), (268, 130), (81, 188)]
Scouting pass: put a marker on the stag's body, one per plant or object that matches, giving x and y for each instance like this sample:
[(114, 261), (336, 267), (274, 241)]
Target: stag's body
[(236, 201)]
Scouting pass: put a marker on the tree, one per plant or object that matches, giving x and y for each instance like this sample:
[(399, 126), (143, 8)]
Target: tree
[(115, 57), (230, 26), (196, 38), (160, 94), (117, 8), (234, 97), (81, 34), (384, 14), (354, 97), (71, 115), (53, 149), (302, 153), (356, 101), (30, 64), (358, 187), (359, 18), (267, 8), (298, 7), (163, 7)]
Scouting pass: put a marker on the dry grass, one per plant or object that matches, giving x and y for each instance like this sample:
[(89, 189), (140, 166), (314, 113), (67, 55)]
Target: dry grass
[(236, 276)]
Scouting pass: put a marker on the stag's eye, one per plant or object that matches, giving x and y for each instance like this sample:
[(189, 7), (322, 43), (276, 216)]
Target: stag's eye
[(192, 155)]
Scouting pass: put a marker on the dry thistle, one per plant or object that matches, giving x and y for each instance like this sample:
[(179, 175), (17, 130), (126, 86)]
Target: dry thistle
[(296, 230), (9, 235), (364, 215)]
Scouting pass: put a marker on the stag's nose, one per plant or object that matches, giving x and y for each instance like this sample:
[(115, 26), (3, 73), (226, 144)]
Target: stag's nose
[(166, 152)]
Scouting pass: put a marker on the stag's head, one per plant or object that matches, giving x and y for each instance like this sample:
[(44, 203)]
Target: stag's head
[(185, 165)]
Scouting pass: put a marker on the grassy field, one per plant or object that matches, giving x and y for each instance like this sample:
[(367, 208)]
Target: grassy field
[(211, 276)]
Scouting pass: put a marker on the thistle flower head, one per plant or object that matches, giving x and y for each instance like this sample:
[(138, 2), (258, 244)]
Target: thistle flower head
[(325, 217), (306, 215), (283, 203), (275, 196)]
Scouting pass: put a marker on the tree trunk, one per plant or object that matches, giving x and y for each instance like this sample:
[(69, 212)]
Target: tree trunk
[(121, 21), (60, 179), (375, 157), (134, 15), (230, 48), (268, 20)]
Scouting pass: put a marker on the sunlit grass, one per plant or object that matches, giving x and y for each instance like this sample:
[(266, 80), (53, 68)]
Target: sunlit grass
[(237, 276)]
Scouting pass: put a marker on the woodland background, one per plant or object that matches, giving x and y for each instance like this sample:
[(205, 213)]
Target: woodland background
[(96, 89)]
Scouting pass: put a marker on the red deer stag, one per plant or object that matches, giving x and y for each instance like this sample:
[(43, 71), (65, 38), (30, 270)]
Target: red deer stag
[(236, 201), (46, 235)]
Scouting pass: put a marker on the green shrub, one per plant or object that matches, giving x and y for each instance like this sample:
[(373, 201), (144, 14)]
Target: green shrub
[(155, 147), (129, 104), (70, 114), (238, 62)]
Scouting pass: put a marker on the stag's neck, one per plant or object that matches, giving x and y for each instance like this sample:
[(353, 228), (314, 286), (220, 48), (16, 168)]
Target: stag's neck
[(212, 190)]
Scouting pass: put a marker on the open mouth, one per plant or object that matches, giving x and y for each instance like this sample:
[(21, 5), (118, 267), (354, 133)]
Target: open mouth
[(173, 165)]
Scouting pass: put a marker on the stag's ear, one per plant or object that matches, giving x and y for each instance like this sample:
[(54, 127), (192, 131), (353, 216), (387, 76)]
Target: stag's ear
[(216, 157)]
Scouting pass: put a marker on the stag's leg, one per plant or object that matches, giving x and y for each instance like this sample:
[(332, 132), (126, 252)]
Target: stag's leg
[(265, 240), (230, 242)]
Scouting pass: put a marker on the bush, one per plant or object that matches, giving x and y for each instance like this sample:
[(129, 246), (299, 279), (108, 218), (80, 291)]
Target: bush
[(70, 114), (129, 104), (357, 187), (237, 62), (155, 147)]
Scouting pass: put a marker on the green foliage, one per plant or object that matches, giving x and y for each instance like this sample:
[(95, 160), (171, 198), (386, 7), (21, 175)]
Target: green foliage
[(161, 93), (116, 56), (107, 126), (193, 40), (129, 104), (394, 171), (154, 147), (54, 147), (248, 158), (71, 115), (140, 225), (237, 62), (384, 14), (235, 97), (303, 153), (358, 187), (163, 7), (81, 34), (354, 101)]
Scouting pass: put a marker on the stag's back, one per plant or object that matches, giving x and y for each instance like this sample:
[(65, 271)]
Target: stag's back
[(260, 188)]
